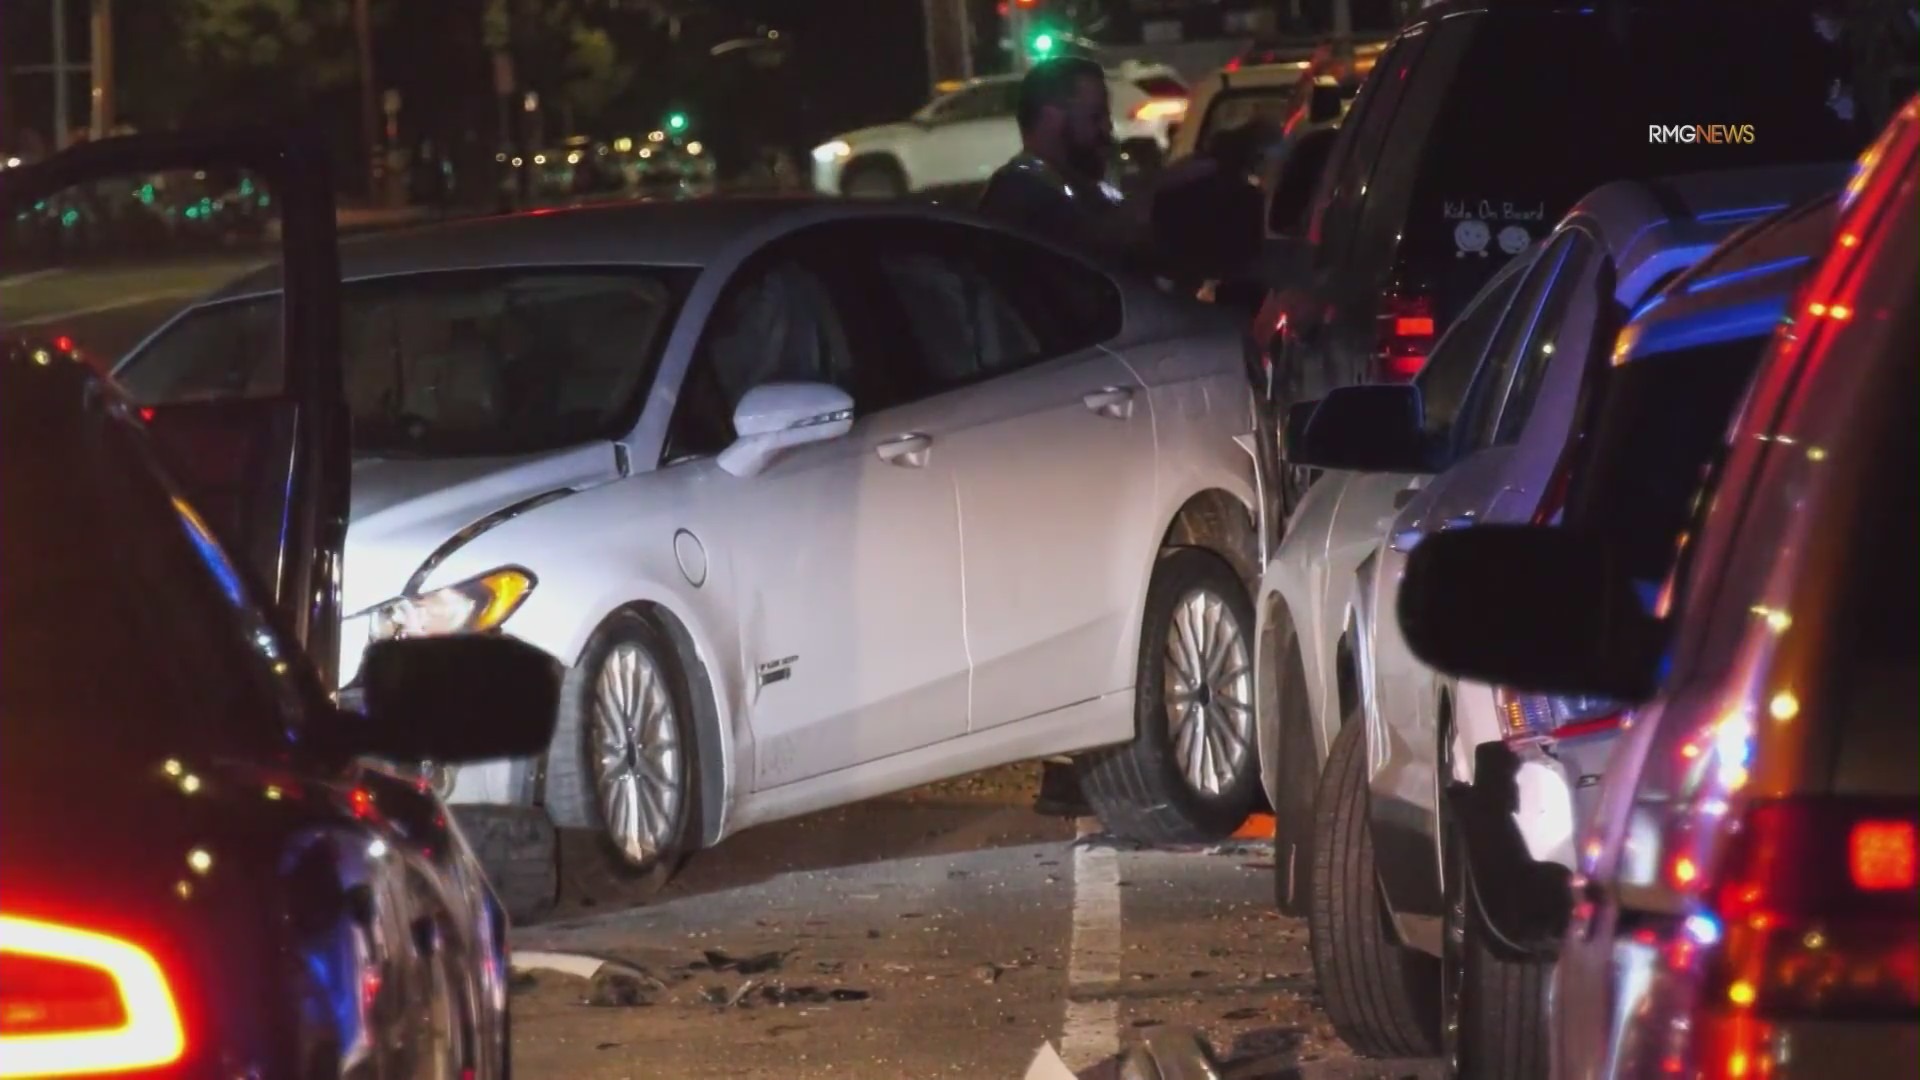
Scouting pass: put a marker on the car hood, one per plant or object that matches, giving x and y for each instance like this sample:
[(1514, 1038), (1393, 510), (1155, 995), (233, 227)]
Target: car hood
[(405, 510)]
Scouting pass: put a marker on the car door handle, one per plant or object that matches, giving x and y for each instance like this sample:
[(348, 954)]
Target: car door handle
[(1113, 402), (907, 451)]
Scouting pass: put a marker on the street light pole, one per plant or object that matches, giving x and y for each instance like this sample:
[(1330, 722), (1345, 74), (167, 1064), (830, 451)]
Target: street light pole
[(103, 113), (369, 104), (62, 118)]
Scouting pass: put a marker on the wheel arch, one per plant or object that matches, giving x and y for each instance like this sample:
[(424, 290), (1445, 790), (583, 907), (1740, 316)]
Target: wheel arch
[(1219, 521), (714, 742), (879, 158)]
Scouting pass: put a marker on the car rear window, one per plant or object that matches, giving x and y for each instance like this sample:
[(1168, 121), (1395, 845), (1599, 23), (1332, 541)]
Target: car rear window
[(1161, 86), (1235, 108), (1546, 106)]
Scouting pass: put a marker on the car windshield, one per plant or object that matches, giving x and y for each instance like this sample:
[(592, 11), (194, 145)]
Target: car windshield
[(124, 617), (445, 364)]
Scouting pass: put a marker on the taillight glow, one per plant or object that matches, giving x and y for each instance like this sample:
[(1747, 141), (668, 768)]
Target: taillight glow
[(1160, 109), (1529, 718), (76, 1002), (1406, 333), (1881, 855)]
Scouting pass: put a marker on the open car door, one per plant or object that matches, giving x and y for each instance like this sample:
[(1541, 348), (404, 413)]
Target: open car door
[(107, 241)]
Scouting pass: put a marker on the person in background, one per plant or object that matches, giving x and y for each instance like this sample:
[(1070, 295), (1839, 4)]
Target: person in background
[(1056, 185), (1209, 228)]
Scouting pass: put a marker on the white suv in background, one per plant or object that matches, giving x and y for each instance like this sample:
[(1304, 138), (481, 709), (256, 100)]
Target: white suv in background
[(959, 138)]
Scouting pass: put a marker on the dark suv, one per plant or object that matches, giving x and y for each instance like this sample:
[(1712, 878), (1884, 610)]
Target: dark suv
[(1482, 123)]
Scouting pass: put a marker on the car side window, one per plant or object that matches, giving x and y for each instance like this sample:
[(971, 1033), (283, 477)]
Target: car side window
[(978, 103), (973, 303), (777, 322), (1488, 392), (1371, 118), (1443, 382), (1565, 323)]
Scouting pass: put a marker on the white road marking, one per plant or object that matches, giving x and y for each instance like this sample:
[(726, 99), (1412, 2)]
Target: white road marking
[(31, 275), (111, 305), (1091, 1033)]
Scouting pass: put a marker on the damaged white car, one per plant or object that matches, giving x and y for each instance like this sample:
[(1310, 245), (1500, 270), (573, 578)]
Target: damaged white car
[(814, 501)]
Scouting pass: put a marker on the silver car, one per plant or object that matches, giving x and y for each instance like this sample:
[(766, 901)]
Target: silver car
[(1480, 436), (1746, 898)]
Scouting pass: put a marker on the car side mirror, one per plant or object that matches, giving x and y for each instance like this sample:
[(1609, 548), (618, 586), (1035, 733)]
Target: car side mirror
[(1369, 428), (1540, 609), (471, 697), (778, 416), (1324, 106)]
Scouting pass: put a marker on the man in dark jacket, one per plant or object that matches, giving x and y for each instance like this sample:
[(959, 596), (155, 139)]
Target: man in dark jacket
[(1056, 186)]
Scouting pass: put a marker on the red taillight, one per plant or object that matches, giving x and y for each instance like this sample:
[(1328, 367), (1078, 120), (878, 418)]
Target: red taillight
[(63, 343), (1529, 718), (1163, 108), (1406, 333), (76, 1002), (1233, 64), (1881, 855), (1816, 916)]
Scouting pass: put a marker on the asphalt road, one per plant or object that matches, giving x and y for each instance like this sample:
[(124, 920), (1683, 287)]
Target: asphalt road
[(108, 310), (945, 932)]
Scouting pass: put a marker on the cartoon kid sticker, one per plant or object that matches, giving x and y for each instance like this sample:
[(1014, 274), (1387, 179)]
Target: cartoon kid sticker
[(1514, 239), (1471, 236)]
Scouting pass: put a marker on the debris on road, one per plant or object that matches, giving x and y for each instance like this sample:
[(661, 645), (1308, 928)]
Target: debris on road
[(718, 960), (615, 986)]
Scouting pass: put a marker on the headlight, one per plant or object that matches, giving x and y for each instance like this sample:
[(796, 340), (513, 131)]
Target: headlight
[(470, 607), (831, 151)]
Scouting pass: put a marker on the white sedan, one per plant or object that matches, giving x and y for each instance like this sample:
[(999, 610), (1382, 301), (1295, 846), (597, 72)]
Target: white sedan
[(814, 500), (959, 138)]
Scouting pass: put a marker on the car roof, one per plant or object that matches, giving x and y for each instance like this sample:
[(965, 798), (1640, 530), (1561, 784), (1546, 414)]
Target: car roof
[(1655, 229), (691, 234), (1741, 292)]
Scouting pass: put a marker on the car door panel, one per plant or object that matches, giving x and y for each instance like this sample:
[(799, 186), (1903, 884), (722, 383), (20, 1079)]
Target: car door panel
[(1056, 475), (286, 510), (851, 626), (1400, 692), (843, 556)]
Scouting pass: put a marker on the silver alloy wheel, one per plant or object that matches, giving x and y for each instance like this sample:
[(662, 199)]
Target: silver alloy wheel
[(639, 773), (1209, 692)]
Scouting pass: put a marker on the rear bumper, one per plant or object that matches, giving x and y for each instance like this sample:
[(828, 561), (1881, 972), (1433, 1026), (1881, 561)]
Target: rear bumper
[(1517, 823)]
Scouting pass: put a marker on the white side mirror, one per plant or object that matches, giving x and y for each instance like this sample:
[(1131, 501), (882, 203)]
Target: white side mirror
[(777, 416)]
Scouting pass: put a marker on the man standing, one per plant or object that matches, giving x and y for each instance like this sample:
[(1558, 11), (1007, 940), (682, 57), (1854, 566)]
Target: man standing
[(1056, 185)]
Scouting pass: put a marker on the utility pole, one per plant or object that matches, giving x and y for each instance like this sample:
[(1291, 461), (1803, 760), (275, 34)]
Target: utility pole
[(102, 91), (369, 101), (62, 118)]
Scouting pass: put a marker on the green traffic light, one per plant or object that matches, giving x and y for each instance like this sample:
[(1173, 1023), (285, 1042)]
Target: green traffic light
[(677, 122), (1042, 44)]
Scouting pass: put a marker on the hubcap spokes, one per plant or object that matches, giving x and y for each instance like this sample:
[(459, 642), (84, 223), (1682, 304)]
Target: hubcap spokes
[(1209, 692), (639, 768)]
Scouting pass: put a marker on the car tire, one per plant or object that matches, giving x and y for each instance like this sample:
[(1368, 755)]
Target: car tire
[(518, 848), (1493, 1007), (1380, 995), (629, 700), (873, 178), (1147, 790), (1298, 769)]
